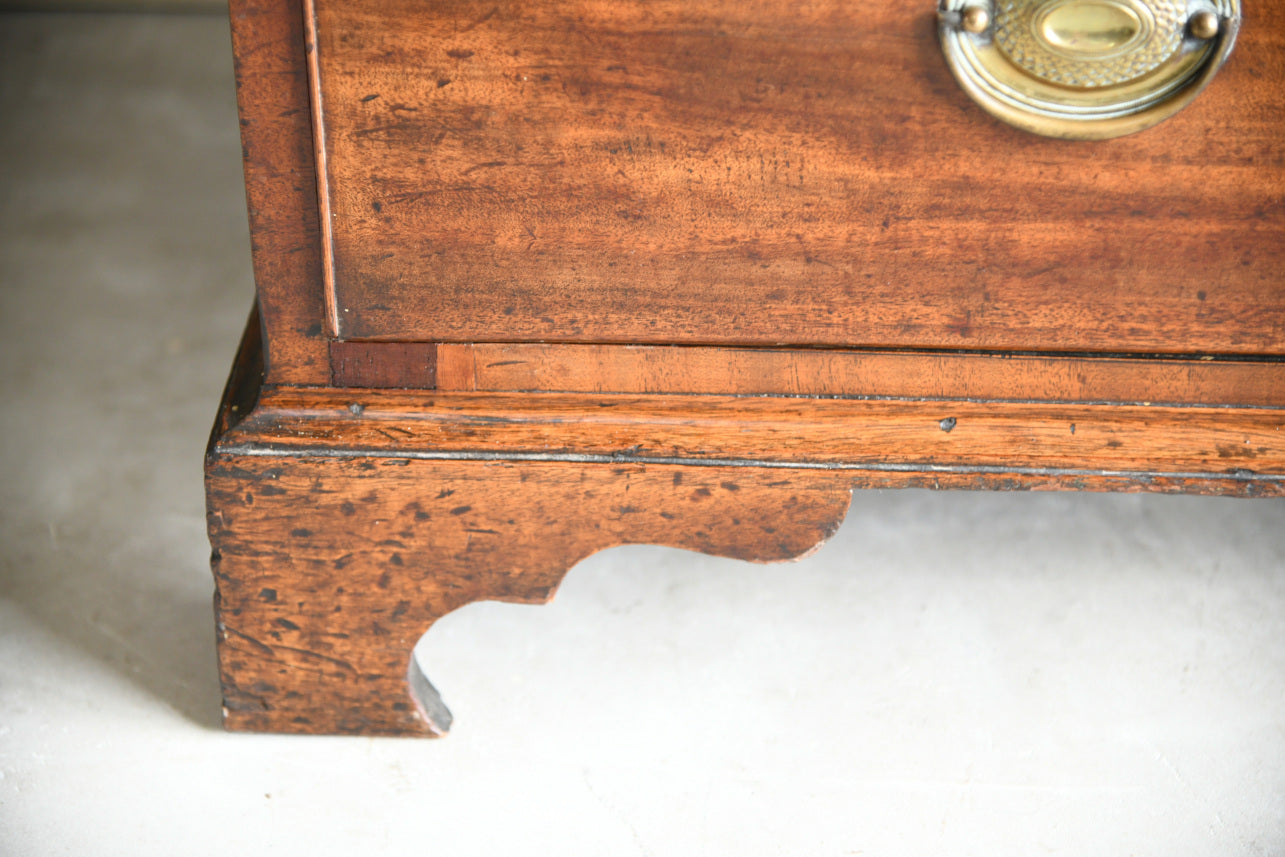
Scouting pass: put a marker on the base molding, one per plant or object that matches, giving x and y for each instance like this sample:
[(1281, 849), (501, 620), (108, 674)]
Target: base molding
[(345, 522)]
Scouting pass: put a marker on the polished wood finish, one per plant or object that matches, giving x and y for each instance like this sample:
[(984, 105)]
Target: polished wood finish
[(329, 571), (281, 188), (545, 367), (1208, 450), (345, 522), (538, 279), (776, 173), (383, 364)]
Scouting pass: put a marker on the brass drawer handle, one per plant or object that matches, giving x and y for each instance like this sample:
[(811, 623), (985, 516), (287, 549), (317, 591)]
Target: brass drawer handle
[(1086, 69)]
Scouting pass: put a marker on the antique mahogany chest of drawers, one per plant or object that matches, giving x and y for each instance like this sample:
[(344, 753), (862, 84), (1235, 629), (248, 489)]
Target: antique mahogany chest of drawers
[(539, 278)]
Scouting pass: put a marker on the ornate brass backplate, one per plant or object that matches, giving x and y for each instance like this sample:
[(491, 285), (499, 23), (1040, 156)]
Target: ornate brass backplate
[(1086, 69)]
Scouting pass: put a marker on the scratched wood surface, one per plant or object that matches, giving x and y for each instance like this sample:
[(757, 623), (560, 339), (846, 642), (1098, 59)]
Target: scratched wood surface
[(281, 187), (548, 367), (521, 195), (329, 570), (767, 172), (595, 368), (345, 522), (1211, 450)]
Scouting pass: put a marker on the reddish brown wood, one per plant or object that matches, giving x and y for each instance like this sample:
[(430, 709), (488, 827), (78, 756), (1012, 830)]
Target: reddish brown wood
[(383, 364), (546, 367), (330, 570), (241, 393), (281, 187), (767, 173), (1216, 450), (345, 522), (531, 203)]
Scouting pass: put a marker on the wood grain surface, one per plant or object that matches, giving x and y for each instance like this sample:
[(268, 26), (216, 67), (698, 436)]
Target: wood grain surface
[(330, 567), (344, 522), (330, 570), (383, 364), (1234, 450), (773, 173), (688, 273), (281, 187), (546, 367)]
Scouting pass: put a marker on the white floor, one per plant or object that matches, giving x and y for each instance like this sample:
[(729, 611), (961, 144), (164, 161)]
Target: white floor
[(961, 674)]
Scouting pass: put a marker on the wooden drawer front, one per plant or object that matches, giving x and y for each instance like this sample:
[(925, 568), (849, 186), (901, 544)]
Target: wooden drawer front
[(761, 172)]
